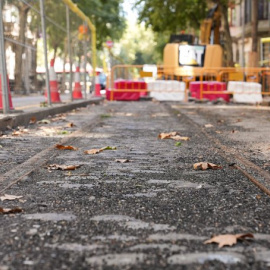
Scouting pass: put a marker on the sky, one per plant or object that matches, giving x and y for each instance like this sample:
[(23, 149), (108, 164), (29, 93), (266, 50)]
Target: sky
[(131, 14)]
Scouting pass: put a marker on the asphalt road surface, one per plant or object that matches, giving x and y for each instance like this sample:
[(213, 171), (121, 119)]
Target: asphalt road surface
[(154, 211)]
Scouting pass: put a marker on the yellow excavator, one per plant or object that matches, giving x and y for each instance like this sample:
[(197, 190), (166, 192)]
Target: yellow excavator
[(182, 57)]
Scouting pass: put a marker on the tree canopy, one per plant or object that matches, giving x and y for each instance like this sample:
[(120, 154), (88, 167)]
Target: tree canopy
[(171, 15), (107, 16)]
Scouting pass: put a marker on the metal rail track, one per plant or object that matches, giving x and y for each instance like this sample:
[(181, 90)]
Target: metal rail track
[(237, 161), (23, 170)]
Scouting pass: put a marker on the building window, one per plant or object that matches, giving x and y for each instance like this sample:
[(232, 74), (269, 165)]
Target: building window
[(232, 15), (263, 10), (247, 11)]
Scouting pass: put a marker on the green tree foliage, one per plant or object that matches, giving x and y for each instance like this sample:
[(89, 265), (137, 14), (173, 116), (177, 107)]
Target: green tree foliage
[(171, 15), (137, 46), (107, 16)]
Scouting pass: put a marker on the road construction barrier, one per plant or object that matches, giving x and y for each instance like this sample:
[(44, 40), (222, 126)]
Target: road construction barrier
[(167, 90), (199, 83), (129, 90), (134, 82), (211, 90), (97, 86), (55, 96), (9, 96), (77, 91), (246, 92)]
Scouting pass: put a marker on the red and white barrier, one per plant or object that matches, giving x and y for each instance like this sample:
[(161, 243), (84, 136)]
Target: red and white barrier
[(55, 96), (246, 92), (77, 91), (97, 86), (9, 96)]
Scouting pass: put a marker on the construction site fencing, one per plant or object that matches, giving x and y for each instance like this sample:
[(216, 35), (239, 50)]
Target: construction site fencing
[(243, 85), (32, 33)]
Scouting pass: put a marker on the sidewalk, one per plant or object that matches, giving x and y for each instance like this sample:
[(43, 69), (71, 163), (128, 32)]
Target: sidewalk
[(154, 211), (27, 107)]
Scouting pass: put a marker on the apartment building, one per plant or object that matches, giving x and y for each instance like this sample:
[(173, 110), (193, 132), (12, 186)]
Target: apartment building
[(240, 19)]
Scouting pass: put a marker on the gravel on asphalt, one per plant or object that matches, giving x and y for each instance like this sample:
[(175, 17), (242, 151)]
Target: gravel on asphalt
[(153, 212)]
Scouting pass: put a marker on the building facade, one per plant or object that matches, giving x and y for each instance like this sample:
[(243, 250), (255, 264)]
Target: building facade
[(240, 19)]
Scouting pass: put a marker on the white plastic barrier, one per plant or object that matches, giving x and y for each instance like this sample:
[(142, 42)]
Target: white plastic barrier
[(246, 92), (167, 90)]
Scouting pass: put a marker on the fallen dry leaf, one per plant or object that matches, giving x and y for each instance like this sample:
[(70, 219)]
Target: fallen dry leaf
[(20, 131), (180, 138), (206, 165), (32, 120), (173, 135), (96, 151), (59, 117), (92, 151), (108, 148), (65, 147), (63, 167), (122, 160), (16, 133), (208, 125), (228, 239), (167, 135), (44, 121), (220, 121), (70, 125), (9, 197), (10, 211)]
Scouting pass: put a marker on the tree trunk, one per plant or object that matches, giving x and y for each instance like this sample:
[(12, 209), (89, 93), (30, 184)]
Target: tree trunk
[(253, 55), (228, 38), (23, 10), (254, 31)]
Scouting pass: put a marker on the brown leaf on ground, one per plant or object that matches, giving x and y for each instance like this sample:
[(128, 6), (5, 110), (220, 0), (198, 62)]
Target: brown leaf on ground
[(9, 197), (10, 211), (44, 121), (65, 147), (180, 138), (220, 121), (32, 120), (21, 130), (96, 151), (16, 133), (63, 167), (70, 125), (206, 165), (122, 160), (93, 151), (228, 239), (108, 148), (163, 136), (173, 135), (59, 117)]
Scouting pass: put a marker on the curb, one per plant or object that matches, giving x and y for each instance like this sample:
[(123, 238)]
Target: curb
[(23, 119)]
